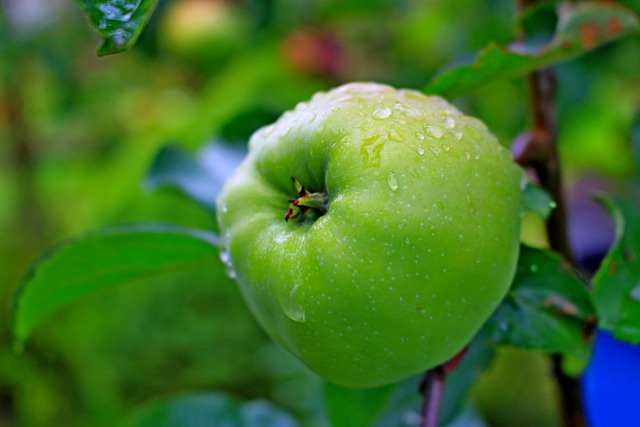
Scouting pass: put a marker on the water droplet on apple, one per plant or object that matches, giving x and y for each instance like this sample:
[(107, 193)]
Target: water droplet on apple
[(395, 136), (382, 113), (420, 150), (435, 132), (449, 123), (446, 147), (371, 149), (468, 198), (435, 150), (292, 304), (420, 136), (392, 181)]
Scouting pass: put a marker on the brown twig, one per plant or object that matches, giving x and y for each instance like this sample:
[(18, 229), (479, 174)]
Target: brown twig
[(537, 149), (431, 389)]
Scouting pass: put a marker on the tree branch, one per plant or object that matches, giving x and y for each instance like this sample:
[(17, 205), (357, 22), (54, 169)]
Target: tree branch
[(431, 389), (537, 149)]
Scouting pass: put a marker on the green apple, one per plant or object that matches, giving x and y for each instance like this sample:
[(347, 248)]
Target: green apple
[(395, 241), (203, 32)]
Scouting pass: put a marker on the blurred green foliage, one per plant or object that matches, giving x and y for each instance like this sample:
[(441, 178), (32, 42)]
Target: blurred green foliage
[(78, 133)]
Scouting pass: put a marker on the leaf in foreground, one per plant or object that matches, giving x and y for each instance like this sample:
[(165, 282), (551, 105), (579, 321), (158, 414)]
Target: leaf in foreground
[(537, 200), (119, 22), (209, 409), (105, 258), (616, 285), (547, 307), (582, 27)]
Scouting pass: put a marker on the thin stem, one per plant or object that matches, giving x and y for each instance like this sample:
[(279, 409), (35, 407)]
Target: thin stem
[(431, 388)]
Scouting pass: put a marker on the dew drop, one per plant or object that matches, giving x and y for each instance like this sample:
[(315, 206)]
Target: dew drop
[(468, 197), (434, 132), (446, 148), (420, 150), (449, 123), (420, 136), (552, 204), (395, 136), (292, 304), (382, 113), (392, 181)]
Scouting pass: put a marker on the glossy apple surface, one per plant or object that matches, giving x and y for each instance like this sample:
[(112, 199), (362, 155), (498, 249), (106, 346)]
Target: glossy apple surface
[(410, 242)]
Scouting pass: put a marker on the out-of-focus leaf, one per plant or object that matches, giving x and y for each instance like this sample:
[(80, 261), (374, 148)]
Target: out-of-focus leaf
[(458, 382), (467, 417), (207, 410), (635, 140), (402, 408), (198, 177), (119, 22), (631, 4), (616, 285), (105, 258), (547, 307), (581, 28), (537, 200), (352, 407)]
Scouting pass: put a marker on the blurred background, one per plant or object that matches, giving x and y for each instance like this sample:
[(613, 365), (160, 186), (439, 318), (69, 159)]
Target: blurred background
[(79, 132)]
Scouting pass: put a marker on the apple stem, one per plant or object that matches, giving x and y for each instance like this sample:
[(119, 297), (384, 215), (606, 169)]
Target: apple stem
[(306, 203)]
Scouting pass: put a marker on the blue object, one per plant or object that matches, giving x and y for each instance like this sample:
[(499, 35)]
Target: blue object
[(611, 384)]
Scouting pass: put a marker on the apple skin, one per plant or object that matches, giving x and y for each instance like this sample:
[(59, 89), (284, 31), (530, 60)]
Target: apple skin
[(416, 249)]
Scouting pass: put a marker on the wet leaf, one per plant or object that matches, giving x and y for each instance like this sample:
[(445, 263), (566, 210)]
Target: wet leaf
[(119, 22), (104, 258), (616, 285), (547, 308), (582, 27)]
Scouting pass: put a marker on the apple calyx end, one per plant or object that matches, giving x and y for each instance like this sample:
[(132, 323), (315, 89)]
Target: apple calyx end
[(307, 205)]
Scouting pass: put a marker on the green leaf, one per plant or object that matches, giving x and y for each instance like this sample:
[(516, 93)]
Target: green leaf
[(547, 307), (477, 357), (582, 27), (119, 22), (198, 177), (207, 410), (348, 407), (105, 258), (537, 200), (616, 285)]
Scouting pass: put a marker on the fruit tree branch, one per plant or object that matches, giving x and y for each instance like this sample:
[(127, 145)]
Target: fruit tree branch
[(431, 389), (538, 150)]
